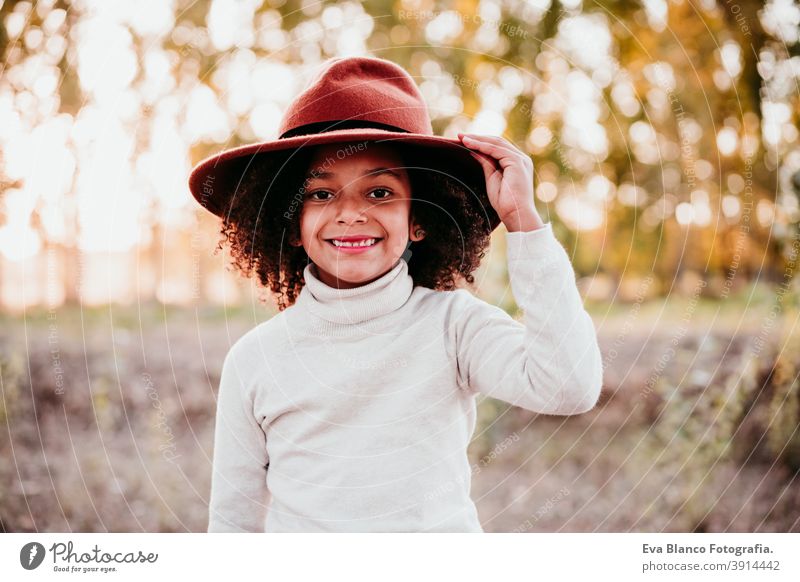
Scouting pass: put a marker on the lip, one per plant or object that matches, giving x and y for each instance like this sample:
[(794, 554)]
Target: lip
[(356, 250), (352, 238)]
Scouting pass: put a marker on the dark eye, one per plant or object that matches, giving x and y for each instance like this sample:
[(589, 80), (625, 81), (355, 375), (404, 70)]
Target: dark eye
[(312, 194), (388, 193)]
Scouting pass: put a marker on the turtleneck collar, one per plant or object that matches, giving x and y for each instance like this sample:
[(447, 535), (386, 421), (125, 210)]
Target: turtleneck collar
[(359, 304)]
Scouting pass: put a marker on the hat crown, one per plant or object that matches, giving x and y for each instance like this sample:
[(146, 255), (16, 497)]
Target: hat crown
[(368, 89)]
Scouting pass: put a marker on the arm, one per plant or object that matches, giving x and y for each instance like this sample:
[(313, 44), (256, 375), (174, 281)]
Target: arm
[(551, 363), (239, 492)]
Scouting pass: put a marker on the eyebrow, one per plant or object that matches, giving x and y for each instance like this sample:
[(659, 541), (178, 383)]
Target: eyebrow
[(371, 173)]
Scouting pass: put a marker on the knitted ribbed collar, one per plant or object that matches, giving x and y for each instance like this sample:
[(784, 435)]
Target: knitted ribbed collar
[(360, 304)]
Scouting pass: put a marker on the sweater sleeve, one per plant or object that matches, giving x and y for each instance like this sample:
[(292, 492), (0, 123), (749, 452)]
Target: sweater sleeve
[(239, 495), (551, 363)]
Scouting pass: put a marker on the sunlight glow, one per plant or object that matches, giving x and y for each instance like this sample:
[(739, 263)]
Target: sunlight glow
[(580, 214), (104, 108), (782, 19), (727, 141), (230, 23)]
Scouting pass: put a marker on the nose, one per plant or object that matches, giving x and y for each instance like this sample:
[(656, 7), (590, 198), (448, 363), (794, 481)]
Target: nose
[(351, 209)]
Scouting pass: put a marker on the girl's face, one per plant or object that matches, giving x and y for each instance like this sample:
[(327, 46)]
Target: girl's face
[(356, 191)]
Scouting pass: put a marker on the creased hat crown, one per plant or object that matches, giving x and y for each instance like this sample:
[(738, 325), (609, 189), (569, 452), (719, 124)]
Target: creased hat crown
[(359, 88)]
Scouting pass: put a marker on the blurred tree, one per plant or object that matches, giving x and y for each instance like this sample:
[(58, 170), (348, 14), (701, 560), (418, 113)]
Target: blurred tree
[(661, 132)]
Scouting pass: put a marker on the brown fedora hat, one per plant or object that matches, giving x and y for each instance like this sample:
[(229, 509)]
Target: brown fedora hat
[(349, 99)]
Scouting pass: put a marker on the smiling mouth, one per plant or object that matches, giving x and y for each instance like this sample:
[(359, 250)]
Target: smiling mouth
[(360, 244)]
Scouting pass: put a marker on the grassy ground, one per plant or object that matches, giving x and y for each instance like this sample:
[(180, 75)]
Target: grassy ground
[(116, 433)]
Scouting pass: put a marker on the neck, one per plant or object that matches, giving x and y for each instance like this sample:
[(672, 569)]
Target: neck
[(359, 304), (339, 283)]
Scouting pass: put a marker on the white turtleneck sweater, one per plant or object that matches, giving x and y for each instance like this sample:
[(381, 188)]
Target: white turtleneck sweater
[(352, 409)]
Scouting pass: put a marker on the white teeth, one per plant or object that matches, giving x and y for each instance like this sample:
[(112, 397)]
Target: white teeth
[(362, 243)]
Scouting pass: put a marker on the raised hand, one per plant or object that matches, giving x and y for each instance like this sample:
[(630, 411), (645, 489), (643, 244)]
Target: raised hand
[(509, 180)]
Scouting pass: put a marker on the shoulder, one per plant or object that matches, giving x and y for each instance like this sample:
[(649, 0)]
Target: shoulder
[(259, 344), (248, 366)]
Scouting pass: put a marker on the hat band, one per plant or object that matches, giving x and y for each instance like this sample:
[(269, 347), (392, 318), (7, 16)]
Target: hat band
[(325, 126)]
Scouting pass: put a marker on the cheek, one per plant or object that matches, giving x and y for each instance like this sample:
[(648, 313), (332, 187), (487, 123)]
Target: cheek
[(397, 227), (309, 221), (394, 218)]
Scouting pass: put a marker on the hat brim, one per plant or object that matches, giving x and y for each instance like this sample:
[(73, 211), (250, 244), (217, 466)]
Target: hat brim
[(213, 181)]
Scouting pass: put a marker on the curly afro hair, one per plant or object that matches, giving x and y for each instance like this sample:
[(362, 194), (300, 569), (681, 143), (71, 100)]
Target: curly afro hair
[(264, 215)]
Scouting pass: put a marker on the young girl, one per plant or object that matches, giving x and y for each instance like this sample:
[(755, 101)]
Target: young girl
[(352, 408)]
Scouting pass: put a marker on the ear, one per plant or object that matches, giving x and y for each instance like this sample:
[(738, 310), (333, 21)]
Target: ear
[(415, 231)]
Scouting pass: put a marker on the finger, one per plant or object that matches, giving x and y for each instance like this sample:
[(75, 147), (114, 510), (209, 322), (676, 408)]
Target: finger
[(488, 165), (504, 156), (485, 160), (471, 140), (497, 140)]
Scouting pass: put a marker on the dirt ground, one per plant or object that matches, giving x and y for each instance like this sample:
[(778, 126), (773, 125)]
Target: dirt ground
[(116, 433)]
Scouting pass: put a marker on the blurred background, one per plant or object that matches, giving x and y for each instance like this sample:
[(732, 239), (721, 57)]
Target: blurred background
[(665, 141)]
